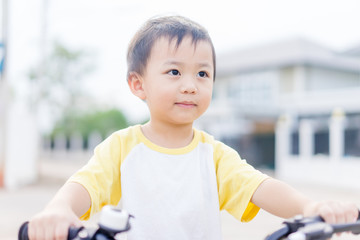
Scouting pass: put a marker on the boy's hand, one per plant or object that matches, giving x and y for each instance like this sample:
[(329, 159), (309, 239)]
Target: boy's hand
[(332, 211), (52, 223)]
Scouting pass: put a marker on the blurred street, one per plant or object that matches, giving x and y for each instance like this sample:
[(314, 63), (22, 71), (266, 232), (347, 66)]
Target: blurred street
[(17, 206)]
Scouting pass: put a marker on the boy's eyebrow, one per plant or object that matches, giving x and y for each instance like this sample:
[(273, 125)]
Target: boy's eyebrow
[(206, 65), (173, 62)]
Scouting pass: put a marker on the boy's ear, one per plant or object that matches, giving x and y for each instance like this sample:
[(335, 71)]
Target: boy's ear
[(135, 82)]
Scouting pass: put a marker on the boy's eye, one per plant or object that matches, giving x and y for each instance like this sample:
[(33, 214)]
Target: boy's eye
[(174, 72), (202, 74)]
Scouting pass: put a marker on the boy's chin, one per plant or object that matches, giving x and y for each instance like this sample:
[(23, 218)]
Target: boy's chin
[(184, 122)]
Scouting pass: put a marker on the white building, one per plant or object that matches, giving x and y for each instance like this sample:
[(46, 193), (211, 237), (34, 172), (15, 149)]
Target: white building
[(296, 80)]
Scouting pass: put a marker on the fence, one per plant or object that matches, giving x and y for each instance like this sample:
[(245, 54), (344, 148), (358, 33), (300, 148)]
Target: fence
[(324, 151), (75, 147)]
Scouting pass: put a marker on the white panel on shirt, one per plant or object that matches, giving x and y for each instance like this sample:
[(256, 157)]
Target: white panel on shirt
[(171, 196)]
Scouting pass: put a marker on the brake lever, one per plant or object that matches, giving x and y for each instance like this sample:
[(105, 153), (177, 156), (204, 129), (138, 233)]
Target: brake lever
[(292, 225), (320, 230)]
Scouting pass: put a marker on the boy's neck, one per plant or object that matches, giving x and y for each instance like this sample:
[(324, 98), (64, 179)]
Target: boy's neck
[(168, 136)]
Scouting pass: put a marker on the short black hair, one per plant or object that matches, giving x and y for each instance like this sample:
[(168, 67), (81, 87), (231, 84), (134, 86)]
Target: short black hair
[(172, 27)]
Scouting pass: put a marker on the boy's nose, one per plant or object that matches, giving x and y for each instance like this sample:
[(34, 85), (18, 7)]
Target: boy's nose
[(188, 87), (189, 90)]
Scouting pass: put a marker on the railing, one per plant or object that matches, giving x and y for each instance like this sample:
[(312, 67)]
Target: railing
[(76, 147)]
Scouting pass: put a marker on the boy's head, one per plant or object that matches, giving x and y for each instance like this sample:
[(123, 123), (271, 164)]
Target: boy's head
[(171, 27)]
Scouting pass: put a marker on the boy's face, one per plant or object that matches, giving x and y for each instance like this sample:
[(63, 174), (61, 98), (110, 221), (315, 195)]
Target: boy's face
[(178, 81)]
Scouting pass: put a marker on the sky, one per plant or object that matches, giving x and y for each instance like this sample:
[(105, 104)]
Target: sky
[(105, 27)]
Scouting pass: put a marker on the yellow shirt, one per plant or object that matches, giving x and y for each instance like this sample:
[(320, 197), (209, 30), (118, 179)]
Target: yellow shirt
[(173, 193)]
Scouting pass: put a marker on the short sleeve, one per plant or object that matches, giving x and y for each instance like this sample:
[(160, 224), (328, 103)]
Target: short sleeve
[(101, 176), (237, 182)]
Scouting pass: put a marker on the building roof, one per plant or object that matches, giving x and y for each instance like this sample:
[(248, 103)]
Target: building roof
[(291, 52), (353, 52)]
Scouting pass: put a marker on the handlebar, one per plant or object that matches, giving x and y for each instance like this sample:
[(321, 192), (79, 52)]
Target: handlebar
[(72, 233), (112, 221), (311, 228)]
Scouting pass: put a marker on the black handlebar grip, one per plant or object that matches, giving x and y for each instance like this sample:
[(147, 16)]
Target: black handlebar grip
[(73, 232), (23, 232)]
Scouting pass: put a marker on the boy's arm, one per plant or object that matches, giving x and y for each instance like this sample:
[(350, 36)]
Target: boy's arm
[(73, 195), (64, 210), (282, 200)]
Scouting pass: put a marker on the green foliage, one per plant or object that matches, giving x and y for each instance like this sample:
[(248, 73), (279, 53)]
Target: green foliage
[(103, 122), (58, 81)]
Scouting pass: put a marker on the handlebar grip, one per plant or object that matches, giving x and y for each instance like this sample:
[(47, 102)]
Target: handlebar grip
[(73, 232), (23, 232)]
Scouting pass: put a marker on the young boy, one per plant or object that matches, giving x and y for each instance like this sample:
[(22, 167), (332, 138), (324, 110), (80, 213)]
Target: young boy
[(173, 178)]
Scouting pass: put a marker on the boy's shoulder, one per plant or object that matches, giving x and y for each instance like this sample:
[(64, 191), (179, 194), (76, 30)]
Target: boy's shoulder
[(127, 131), (206, 137), (130, 133)]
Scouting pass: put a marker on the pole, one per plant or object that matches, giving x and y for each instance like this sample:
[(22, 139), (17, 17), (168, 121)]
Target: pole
[(3, 92)]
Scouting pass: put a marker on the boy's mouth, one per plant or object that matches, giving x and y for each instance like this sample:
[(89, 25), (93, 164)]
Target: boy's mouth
[(186, 104)]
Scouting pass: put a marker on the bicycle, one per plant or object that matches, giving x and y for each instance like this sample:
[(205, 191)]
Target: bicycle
[(112, 221), (311, 228)]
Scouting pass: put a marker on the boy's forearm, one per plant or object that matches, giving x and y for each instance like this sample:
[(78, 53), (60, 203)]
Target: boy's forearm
[(280, 199), (74, 196)]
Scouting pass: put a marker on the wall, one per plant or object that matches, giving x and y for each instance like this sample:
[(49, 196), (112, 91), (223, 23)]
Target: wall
[(20, 131)]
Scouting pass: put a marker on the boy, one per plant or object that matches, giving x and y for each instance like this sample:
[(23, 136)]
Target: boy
[(173, 178)]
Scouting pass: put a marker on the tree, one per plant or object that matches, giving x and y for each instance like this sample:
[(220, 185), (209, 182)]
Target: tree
[(58, 82)]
